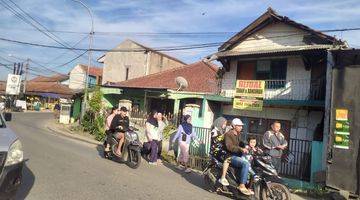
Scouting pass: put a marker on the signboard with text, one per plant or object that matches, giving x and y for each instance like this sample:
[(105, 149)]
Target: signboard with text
[(248, 104), (250, 88), (249, 95), (342, 129), (13, 84)]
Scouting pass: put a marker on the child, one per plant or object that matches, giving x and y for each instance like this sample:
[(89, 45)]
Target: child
[(253, 150)]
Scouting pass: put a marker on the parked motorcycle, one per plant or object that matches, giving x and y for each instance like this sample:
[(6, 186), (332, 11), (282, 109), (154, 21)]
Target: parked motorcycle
[(267, 184), (131, 149)]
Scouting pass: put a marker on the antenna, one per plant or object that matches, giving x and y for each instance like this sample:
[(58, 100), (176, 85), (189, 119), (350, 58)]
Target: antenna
[(181, 82)]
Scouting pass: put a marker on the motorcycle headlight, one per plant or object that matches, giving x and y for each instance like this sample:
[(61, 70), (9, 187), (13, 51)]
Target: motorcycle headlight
[(15, 154), (134, 136)]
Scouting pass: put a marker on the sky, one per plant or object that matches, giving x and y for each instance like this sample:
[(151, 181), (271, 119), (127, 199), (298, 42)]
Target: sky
[(152, 16)]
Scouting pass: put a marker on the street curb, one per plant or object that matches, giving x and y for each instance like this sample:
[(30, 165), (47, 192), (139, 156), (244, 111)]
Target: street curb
[(74, 137)]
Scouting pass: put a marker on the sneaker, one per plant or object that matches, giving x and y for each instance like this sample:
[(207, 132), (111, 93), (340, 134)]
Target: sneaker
[(224, 182), (152, 163), (188, 170)]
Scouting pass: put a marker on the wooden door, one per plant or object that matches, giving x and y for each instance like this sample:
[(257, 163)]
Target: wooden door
[(246, 70)]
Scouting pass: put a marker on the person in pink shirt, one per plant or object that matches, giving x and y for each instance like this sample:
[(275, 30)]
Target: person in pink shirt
[(114, 111)]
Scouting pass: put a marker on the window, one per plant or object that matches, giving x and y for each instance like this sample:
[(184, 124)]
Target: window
[(274, 70), (127, 74)]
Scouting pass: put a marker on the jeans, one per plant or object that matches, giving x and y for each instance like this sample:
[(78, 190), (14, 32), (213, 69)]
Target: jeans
[(242, 166), (153, 151)]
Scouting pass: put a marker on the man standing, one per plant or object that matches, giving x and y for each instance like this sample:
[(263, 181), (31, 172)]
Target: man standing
[(275, 142), (120, 124), (236, 148)]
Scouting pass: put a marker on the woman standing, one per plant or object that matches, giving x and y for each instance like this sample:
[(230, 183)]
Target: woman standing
[(184, 134), (161, 126), (152, 135)]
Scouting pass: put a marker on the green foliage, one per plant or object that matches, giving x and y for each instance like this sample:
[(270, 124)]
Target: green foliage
[(93, 121), (99, 128), (95, 102), (168, 130)]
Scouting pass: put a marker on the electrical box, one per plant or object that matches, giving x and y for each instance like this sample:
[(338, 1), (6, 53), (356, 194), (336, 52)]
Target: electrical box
[(65, 114)]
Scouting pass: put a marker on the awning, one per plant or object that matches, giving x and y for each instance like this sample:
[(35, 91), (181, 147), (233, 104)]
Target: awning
[(50, 95), (270, 52)]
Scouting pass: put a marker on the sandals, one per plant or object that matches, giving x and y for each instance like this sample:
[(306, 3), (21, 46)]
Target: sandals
[(244, 191)]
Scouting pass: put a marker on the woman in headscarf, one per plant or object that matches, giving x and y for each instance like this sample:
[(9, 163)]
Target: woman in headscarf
[(217, 145), (184, 134), (153, 137)]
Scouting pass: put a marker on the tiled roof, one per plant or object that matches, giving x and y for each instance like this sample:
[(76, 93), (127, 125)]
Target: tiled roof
[(93, 71), (201, 77), (54, 78), (43, 87)]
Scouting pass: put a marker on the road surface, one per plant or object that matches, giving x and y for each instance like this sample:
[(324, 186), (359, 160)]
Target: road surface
[(63, 168)]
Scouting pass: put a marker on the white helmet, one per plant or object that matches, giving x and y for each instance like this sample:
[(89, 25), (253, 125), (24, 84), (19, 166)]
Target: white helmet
[(237, 122)]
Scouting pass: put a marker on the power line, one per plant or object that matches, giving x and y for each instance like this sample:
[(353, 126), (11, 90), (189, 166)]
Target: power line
[(20, 16), (73, 46), (169, 48), (172, 33)]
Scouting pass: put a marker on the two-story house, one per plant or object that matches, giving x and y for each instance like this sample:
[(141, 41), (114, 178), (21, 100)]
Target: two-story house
[(77, 77), (132, 60), (292, 60)]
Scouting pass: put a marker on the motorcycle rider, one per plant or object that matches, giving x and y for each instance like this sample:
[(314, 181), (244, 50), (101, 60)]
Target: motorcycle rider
[(217, 145), (114, 112), (119, 125), (236, 149)]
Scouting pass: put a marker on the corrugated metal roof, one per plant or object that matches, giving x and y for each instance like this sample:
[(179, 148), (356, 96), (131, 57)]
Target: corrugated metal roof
[(272, 51)]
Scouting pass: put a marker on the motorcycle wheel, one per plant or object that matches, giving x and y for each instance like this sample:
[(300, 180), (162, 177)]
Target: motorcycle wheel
[(280, 192), (134, 159)]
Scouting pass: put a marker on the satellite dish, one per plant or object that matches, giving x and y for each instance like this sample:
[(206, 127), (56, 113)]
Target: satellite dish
[(181, 82)]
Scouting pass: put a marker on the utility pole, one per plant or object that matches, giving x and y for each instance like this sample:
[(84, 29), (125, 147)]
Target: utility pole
[(84, 104), (26, 76)]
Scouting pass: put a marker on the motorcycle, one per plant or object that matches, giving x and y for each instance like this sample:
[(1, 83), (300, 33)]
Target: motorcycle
[(266, 184), (131, 149)]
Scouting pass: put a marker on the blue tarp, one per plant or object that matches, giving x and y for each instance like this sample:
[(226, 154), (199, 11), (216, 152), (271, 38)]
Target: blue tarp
[(50, 95)]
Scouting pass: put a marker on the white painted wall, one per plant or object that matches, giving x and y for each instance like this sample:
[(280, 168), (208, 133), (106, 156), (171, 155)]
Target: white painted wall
[(208, 115), (271, 37), (77, 78), (297, 86)]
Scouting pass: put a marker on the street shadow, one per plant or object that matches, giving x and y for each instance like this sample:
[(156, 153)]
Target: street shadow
[(194, 178), (27, 184), (100, 149)]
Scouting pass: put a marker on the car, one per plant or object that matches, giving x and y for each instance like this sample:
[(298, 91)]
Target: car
[(11, 159)]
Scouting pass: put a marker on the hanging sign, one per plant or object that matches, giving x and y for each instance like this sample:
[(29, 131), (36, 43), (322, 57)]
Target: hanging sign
[(250, 88), (248, 104)]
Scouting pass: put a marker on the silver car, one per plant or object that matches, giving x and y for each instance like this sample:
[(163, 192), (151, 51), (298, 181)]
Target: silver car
[(11, 159)]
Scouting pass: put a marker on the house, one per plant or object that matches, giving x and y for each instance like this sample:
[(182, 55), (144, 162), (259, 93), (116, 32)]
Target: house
[(132, 60), (291, 59), (77, 77), (60, 78), (159, 91)]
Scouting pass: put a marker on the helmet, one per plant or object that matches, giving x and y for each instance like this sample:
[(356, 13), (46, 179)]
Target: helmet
[(237, 122)]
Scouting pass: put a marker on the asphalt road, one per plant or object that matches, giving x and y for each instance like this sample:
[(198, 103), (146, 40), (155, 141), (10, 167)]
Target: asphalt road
[(63, 168)]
